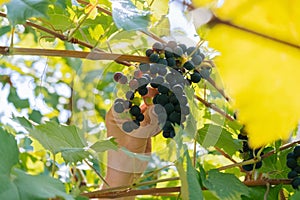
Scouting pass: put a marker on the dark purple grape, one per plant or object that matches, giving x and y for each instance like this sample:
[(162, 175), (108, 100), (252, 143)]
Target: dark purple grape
[(135, 110), (133, 84), (149, 52), (129, 95), (144, 67), (143, 90), (172, 44), (178, 52), (183, 47), (157, 46), (188, 65), (196, 77), (197, 59), (154, 58), (119, 107), (127, 126), (140, 117), (117, 76)]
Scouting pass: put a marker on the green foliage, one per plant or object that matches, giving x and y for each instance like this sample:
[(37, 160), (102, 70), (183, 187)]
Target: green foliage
[(225, 186), (58, 138), (8, 152), (59, 129), (127, 16), (213, 135), (20, 10)]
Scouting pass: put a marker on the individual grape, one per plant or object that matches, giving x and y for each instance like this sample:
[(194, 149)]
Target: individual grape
[(195, 77), (175, 117), (144, 67), (119, 107), (177, 108), (183, 47), (162, 99), (123, 80), (167, 126), (163, 89), (296, 183), (202, 55), (248, 167), (133, 84), (148, 77), (162, 70), (178, 52), (169, 52), (127, 126), (242, 137), (173, 99), (154, 58), (140, 117), (182, 99), (135, 110), (149, 52), (170, 78), (158, 109), (197, 59), (137, 74), (172, 44), (136, 124), (297, 169), (258, 165), (143, 81), (171, 62), (143, 90), (172, 134), (292, 174), (188, 65), (153, 69), (291, 163), (177, 89), (190, 50), (117, 76), (158, 80), (157, 46), (169, 108), (129, 95), (127, 104), (166, 134), (162, 61), (297, 151), (205, 73), (185, 110), (290, 155)]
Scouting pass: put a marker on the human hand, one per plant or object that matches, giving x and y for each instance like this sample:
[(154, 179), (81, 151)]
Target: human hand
[(122, 168)]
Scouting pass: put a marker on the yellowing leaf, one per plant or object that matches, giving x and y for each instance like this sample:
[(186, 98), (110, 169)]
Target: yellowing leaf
[(262, 77), (4, 1)]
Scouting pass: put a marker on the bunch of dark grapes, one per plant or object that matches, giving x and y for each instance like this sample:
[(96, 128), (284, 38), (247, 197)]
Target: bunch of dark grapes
[(293, 164), (172, 67), (248, 153)]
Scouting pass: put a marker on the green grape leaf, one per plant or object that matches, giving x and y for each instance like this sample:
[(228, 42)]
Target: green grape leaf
[(9, 152), (18, 11), (39, 187), (58, 138), (213, 135), (127, 16), (191, 126), (35, 116), (8, 189), (216, 182), (24, 122), (105, 145), (16, 100), (4, 29), (195, 190), (259, 192), (296, 196)]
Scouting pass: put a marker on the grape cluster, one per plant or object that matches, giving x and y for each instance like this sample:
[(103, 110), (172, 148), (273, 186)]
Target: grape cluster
[(248, 153), (172, 67), (293, 164)]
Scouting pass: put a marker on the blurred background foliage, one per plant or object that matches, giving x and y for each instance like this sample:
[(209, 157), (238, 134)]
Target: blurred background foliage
[(258, 42)]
